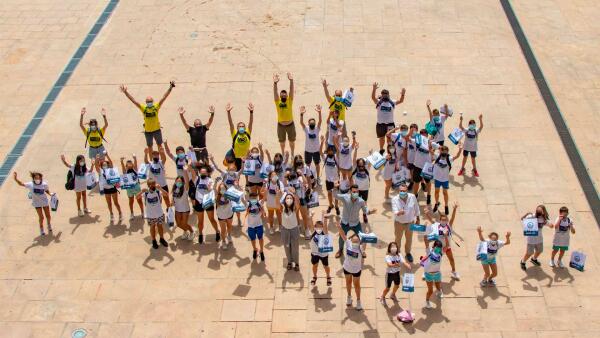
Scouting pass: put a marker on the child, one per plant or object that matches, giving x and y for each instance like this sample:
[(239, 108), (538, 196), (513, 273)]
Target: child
[(470, 146), (441, 175), (230, 178), (331, 174), (203, 184), (154, 214), (273, 190), (320, 230), (311, 144), (424, 148), (180, 158), (38, 190), (391, 166), (254, 181), (110, 190), (345, 151), (489, 264), (563, 225), (254, 216), (352, 266), (224, 214), (129, 168), (181, 203), (156, 171), (438, 118), (79, 170), (442, 231), (432, 265), (393, 259), (400, 142), (535, 244), (279, 162)]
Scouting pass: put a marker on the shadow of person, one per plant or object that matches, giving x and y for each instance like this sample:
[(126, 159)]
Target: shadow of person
[(491, 293), (86, 219), (186, 247), (158, 255), (274, 240), (115, 230), (561, 274), (387, 209), (430, 317), (258, 269), (136, 225), (447, 287), (470, 181), (44, 240), (292, 277), (357, 317), (323, 301), (538, 274)]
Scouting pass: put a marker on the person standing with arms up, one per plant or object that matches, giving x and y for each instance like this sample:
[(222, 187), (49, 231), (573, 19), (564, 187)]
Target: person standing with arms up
[(94, 135), (240, 136), (285, 116), (150, 112), (385, 113), (198, 133)]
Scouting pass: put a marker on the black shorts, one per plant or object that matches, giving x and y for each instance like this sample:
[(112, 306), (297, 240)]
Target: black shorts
[(416, 175), (382, 128), (466, 153), (329, 185), (250, 184), (441, 143), (392, 277), (109, 191), (198, 207), (364, 194), (353, 274), (314, 259), (410, 166), (312, 158), (225, 219)]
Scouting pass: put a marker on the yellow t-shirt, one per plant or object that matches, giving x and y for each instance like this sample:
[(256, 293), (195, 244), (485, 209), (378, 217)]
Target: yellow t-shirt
[(94, 139), (284, 110), (339, 107), (241, 144), (150, 114)]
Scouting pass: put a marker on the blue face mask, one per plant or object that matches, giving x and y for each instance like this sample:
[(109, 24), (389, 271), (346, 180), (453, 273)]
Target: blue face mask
[(182, 155), (253, 200), (354, 195), (436, 119), (179, 184), (404, 133), (437, 250), (242, 130), (149, 104), (472, 127), (403, 194)]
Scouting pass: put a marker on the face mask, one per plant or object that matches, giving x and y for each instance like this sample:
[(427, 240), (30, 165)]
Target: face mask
[(274, 179), (149, 104), (404, 133), (355, 245), (253, 200), (391, 150), (361, 168), (81, 163), (436, 119), (231, 172), (155, 159), (329, 154), (394, 251), (179, 184), (202, 176), (472, 127), (403, 194), (242, 130), (444, 223), (319, 230), (354, 195), (104, 166), (254, 155), (437, 250), (283, 99), (181, 155), (37, 181), (312, 126), (493, 243), (93, 128), (346, 144), (289, 202)]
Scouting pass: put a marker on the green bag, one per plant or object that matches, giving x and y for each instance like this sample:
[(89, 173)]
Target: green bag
[(431, 128)]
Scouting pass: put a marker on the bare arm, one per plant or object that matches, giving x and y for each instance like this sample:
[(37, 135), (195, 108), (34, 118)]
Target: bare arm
[(458, 152), (228, 108), (373, 92), (318, 109), (211, 111), (302, 111), (81, 120), (507, 242), (251, 121), (169, 153), (182, 117), (103, 112), (341, 232), (460, 123), (268, 156), (401, 99), (62, 158), (135, 162), (480, 122), (321, 145), (167, 93), (275, 91), (146, 159), (124, 90), (429, 109), (17, 179), (289, 75), (122, 160), (454, 208), (326, 91), (480, 234)]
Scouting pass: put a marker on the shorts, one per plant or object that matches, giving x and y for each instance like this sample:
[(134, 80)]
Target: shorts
[(433, 276), (441, 143), (560, 247), (251, 184), (312, 157), (198, 207), (357, 274), (364, 194), (256, 232), (314, 259), (225, 219), (410, 166), (201, 154), (108, 191), (96, 151), (533, 248), (156, 221), (416, 175), (329, 185), (382, 128), (153, 136), (489, 261), (392, 277), (466, 153), (134, 191), (439, 184), (288, 130)]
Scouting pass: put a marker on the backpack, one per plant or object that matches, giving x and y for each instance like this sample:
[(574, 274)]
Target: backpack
[(431, 128), (70, 185), (87, 136)]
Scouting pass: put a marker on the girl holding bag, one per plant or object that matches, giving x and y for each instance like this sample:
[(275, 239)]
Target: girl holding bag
[(38, 189), (79, 170), (135, 188)]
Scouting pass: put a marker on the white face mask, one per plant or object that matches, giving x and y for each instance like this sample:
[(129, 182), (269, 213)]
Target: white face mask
[(274, 179), (254, 155), (81, 163), (394, 251), (319, 230), (355, 245), (289, 202), (36, 181)]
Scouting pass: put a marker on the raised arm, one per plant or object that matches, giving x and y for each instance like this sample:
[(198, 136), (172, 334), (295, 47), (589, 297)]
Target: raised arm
[(83, 111), (458, 151), (401, 99), (260, 149), (355, 154), (146, 155), (103, 113), (167, 93), (275, 91), (302, 111), (507, 242), (289, 75), (122, 160), (480, 122), (169, 153), (268, 156), (17, 179), (453, 216), (460, 123), (321, 145), (325, 84), (212, 160), (251, 120), (124, 90), (228, 108), (135, 162), (373, 92), (62, 158), (211, 111), (429, 109), (480, 234), (318, 109), (182, 117)]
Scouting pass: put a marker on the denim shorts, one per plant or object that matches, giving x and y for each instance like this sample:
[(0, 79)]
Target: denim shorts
[(439, 184), (255, 232)]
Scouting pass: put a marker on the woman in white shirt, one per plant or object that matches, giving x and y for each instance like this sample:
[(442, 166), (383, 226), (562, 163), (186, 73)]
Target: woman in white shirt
[(290, 233), (204, 186), (272, 191), (441, 175), (181, 204), (155, 216), (224, 214), (105, 169), (424, 148), (352, 266), (79, 170), (38, 189)]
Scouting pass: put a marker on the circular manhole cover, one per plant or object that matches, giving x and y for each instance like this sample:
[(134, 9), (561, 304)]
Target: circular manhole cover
[(79, 333)]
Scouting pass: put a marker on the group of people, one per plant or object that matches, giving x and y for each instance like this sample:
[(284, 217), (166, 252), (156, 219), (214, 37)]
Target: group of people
[(277, 192)]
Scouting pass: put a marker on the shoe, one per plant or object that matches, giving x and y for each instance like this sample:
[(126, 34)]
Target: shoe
[(523, 266), (87, 211), (358, 305), (131, 217), (349, 301), (491, 283), (381, 151), (229, 239), (393, 297), (218, 237), (289, 266), (439, 294), (262, 256), (535, 261), (154, 244), (297, 267), (329, 208), (337, 211), (307, 234), (435, 206), (200, 238), (475, 173), (560, 263), (80, 213), (461, 171), (163, 242), (446, 210), (254, 254), (112, 217), (328, 281), (42, 232), (455, 275), (428, 305), (428, 199), (409, 257), (338, 254), (552, 263), (382, 301), (483, 283), (225, 245), (271, 231)]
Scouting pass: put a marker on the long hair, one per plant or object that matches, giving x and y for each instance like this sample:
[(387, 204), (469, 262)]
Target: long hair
[(177, 191), (77, 169), (286, 208)]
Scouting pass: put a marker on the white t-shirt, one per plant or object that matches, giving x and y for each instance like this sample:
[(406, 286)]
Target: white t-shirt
[(441, 169), (289, 220), (345, 157), (39, 198), (157, 172), (230, 179), (440, 127), (385, 111), (470, 141), (180, 163), (333, 130), (257, 166), (152, 200), (392, 259), (353, 260), (562, 233), (273, 189), (422, 154), (254, 214), (102, 180), (390, 167), (80, 182), (202, 187), (224, 208), (331, 169), (434, 263), (361, 180), (400, 144), (493, 248), (312, 143), (182, 203)]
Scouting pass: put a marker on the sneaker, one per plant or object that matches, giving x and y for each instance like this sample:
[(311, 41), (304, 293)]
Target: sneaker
[(337, 211), (382, 301), (329, 208), (131, 217), (491, 283), (262, 256), (446, 210), (80, 213), (523, 266), (475, 173), (271, 231), (428, 199), (349, 301), (42, 232), (163, 242), (229, 239), (455, 275), (428, 305), (560, 263), (87, 211), (535, 261), (297, 267), (439, 294), (254, 254), (112, 217), (200, 238), (423, 186), (461, 171), (409, 257), (435, 206), (225, 245), (358, 305), (154, 244), (218, 237), (307, 234), (338, 254), (552, 263), (483, 283)]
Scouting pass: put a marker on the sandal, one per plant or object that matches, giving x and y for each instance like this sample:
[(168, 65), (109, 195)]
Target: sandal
[(289, 266), (313, 281), (328, 281), (364, 255)]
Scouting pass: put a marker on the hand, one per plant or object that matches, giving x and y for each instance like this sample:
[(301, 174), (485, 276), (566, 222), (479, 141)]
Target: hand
[(250, 107), (287, 153), (165, 142), (508, 234), (15, 175), (480, 117), (461, 118), (357, 145), (446, 109), (275, 78), (133, 155), (401, 212), (375, 85), (302, 110), (292, 189), (336, 184), (455, 205), (123, 88), (172, 84), (181, 111), (211, 110), (324, 82), (83, 111), (479, 229), (103, 112), (62, 157), (229, 107), (289, 75), (318, 108), (402, 92), (145, 150), (259, 145), (352, 89), (428, 103)]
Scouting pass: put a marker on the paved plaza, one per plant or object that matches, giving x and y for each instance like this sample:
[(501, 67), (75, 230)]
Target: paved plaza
[(107, 280)]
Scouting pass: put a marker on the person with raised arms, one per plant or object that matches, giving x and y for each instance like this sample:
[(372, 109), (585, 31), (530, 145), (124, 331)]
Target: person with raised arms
[(285, 117)]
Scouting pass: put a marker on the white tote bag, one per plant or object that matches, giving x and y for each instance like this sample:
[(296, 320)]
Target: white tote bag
[(170, 216), (233, 194), (427, 172), (314, 200), (112, 176), (456, 135), (91, 180), (325, 243), (482, 251), (143, 171), (408, 282), (249, 167), (54, 202), (530, 227), (376, 159), (577, 260)]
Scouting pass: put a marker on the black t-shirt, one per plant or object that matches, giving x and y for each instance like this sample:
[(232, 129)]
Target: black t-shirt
[(198, 136)]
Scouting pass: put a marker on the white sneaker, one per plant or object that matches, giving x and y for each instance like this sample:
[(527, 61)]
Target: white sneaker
[(358, 305), (382, 301), (552, 263), (120, 217), (225, 245), (271, 231), (307, 234), (80, 213), (428, 305), (455, 275), (131, 217), (560, 264), (439, 294), (229, 238), (87, 211), (349, 301)]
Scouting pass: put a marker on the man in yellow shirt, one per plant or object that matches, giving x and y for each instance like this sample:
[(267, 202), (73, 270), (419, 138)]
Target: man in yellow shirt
[(240, 137), (150, 111), (93, 135), (337, 103), (285, 116)]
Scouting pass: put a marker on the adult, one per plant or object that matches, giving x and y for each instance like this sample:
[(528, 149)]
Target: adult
[(312, 145), (337, 103), (150, 112), (93, 135), (198, 133), (352, 203), (240, 136), (285, 117), (406, 212), (385, 113)]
